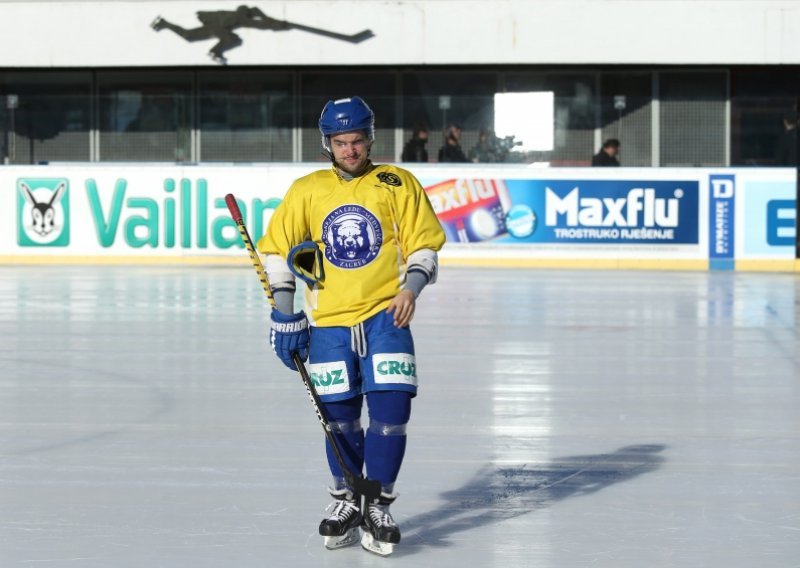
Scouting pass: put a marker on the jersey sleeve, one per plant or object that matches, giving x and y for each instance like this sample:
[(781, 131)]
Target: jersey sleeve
[(418, 225), (288, 226)]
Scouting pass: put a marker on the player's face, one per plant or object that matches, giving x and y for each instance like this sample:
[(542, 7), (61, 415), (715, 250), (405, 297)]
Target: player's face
[(350, 151)]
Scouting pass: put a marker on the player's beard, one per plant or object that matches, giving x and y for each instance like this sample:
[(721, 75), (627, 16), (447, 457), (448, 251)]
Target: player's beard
[(353, 167)]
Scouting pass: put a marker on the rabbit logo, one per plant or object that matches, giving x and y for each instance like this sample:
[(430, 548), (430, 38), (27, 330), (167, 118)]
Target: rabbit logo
[(43, 212)]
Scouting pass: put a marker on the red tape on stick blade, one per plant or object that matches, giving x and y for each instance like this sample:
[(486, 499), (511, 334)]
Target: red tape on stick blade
[(233, 207)]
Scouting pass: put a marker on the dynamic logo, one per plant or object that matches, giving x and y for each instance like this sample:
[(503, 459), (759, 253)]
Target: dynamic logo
[(43, 212), (353, 236), (722, 217)]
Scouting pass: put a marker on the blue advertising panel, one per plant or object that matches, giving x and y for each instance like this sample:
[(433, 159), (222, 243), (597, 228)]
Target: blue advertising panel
[(568, 211), (770, 219), (721, 221)]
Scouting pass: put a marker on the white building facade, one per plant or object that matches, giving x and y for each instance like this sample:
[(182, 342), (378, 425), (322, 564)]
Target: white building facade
[(680, 83)]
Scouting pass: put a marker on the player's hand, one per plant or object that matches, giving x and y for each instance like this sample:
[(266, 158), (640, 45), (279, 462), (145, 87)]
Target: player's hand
[(403, 306), (289, 334)]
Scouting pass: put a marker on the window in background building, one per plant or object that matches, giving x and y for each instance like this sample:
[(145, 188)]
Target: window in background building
[(523, 123), (245, 116), (376, 88), (443, 98), (693, 118), (145, 116), (574, 114), (626, 113), (761, 99), (45, 117)]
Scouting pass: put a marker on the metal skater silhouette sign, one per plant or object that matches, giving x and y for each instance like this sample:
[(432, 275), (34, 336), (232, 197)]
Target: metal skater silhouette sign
[(222, 23)]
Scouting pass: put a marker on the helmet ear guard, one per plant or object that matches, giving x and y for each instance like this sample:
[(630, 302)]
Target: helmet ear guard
[(346, 115)]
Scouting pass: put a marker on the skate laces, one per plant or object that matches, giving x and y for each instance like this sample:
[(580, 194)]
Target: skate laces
[(380, 516), (342, 510)]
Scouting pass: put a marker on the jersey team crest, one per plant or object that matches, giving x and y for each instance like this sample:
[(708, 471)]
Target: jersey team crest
[(352, 236)]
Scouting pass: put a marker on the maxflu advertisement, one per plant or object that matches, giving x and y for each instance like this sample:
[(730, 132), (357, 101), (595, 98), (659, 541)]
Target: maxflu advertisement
[(571, 211)]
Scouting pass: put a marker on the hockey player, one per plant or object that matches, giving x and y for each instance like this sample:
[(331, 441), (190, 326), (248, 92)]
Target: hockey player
[(347, 233)]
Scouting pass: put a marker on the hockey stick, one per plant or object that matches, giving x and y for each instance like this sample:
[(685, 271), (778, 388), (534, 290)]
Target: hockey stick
[(354, 38), (369, 488)]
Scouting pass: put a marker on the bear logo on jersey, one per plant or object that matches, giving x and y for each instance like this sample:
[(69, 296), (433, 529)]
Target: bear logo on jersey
[(352, 235)]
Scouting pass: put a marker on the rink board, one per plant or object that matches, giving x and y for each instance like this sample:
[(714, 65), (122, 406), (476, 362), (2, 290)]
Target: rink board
[(666, 218)]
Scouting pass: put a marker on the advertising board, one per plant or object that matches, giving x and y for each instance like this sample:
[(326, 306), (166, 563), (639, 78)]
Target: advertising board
[(677, 218)]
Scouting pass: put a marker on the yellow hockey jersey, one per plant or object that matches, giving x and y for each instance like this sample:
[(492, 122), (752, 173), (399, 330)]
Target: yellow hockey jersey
[(366, 228)]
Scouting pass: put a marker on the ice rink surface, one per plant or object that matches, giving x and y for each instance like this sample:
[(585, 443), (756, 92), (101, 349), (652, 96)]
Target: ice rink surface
[(625, 419)]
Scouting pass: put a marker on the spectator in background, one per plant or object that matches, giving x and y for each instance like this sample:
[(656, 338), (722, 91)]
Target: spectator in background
[(607, 156), (483, 152), (414, 150), (451, 149), (786, 149)]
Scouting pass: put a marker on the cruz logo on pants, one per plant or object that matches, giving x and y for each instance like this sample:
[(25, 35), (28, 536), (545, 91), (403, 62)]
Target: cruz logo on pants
[(394, 368)]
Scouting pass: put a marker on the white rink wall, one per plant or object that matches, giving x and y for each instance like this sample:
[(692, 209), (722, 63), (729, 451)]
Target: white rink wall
[(118, 34), (664, 218)]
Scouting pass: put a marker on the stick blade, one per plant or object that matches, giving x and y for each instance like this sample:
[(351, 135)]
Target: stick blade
[(369, 488), (361, 36)]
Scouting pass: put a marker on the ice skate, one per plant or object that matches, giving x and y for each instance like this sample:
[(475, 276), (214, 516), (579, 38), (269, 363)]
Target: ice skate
[(381, 533), (218, 58), (340, 528)]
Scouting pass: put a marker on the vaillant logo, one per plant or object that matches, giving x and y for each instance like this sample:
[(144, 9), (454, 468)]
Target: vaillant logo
[(43, 212), (220, 25)]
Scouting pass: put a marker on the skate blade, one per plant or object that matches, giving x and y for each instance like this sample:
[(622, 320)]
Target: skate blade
[(375, 546), (348, 538)]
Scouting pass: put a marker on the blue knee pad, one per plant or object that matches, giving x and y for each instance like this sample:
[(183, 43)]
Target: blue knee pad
[(385, 443), (344, 419)]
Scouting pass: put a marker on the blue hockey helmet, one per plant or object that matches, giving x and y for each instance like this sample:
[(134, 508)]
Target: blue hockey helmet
[(346, 115)]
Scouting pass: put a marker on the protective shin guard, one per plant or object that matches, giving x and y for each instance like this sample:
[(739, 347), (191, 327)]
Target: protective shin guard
[(385, 442), (343, 417)]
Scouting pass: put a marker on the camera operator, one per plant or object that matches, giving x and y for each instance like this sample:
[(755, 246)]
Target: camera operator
[(490, 148)]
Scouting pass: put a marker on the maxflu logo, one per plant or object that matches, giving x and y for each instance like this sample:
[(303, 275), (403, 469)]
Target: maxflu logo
[(43, 212)]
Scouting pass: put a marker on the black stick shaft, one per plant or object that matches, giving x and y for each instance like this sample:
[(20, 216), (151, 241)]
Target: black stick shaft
[(370, 489)]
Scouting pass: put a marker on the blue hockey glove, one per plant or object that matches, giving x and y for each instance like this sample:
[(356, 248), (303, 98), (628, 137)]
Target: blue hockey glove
[(289, 334)]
